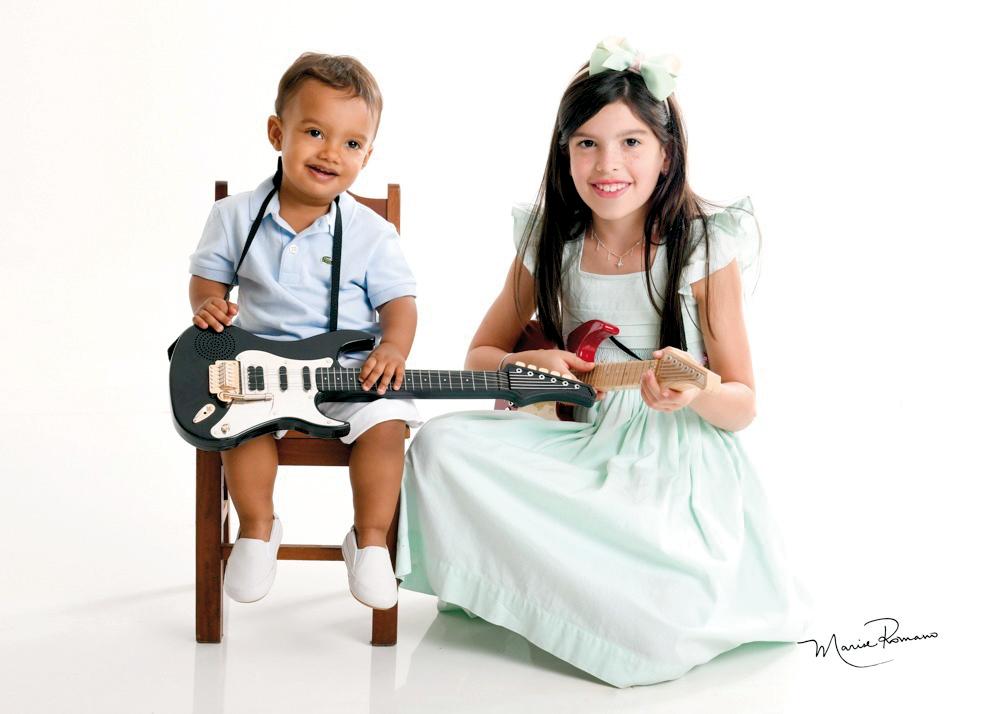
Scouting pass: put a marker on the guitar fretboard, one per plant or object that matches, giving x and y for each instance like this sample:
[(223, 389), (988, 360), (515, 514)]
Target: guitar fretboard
[(347, 379)]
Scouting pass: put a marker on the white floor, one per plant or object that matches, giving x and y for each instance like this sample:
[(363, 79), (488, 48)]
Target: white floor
[(98, 597)]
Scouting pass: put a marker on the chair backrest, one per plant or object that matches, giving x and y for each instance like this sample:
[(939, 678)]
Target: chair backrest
[(387, 207)]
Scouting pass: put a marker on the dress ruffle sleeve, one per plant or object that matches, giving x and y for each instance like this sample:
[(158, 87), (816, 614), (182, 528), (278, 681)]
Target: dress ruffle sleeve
[(732, 235)]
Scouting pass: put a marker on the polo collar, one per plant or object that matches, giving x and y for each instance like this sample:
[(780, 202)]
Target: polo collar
[(326, 221)]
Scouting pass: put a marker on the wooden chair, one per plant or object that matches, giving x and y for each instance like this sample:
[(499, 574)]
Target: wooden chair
[(212, 544)]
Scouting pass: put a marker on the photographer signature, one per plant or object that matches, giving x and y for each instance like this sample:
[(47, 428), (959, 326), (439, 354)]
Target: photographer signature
[(883, 640)]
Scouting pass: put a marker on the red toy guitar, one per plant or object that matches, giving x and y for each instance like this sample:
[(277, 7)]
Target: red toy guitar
[(675, 369)]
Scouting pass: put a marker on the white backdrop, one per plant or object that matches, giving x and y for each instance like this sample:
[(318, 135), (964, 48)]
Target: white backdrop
[(865, 134)]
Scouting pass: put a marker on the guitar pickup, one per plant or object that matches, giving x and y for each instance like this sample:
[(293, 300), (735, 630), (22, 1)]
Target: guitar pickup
[(224, 381)]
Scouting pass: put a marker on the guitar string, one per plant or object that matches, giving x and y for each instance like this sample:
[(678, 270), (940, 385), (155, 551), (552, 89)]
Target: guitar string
[(420, 379), (455, 375), (457, 380)]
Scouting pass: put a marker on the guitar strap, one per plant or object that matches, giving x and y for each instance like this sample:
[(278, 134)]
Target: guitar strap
[(622, 347), (338, 241)]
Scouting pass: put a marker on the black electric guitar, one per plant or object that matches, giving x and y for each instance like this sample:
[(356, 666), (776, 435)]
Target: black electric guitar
[(230, 386)]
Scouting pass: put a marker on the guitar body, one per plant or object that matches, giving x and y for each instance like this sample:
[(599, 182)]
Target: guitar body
[(209, 423), (230, 386)]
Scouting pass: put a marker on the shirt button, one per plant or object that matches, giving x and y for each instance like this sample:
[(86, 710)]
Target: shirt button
[(293, 249)]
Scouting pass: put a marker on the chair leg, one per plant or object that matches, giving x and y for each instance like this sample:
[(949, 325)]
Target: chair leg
[(384, 622), (226, 520), (208, 546)]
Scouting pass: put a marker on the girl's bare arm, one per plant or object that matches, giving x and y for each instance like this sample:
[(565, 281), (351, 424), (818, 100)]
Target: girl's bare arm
[(733, 407)]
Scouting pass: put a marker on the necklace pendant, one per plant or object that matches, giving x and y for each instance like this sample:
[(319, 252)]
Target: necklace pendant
[(619, 263)]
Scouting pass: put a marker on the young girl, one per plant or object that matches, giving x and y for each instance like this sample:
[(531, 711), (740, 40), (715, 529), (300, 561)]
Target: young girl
[(636, 543)]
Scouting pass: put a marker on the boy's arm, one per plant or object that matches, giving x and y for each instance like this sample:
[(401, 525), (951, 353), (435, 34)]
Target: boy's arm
[(208, 302), (385, 364)]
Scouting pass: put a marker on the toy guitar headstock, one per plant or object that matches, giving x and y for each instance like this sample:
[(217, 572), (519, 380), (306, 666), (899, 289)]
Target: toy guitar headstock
[(531, 384)]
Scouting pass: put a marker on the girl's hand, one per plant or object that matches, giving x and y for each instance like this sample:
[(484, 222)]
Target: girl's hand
[(386, 364), (553, 360), (214, 312), (664, 399)]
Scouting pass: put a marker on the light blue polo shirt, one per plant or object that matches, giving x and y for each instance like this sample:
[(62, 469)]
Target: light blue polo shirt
[(284, 283)]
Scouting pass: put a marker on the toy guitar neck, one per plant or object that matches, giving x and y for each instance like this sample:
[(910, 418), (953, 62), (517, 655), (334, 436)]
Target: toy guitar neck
[(230, 386)]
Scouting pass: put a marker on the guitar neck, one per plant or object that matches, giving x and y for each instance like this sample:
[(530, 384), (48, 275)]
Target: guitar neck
[(608, 376), (675, 369), (425, 383)]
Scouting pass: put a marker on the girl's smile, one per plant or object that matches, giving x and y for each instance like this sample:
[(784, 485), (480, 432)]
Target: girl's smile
[(610, 189)]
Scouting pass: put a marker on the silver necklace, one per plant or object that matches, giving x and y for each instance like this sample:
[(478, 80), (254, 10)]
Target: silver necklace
[(621, 258)]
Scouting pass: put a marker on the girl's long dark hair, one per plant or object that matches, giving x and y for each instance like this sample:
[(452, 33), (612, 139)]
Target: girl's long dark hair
[(560, 215)]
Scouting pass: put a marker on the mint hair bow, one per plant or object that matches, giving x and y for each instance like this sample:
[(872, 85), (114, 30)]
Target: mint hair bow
[(659, 73)]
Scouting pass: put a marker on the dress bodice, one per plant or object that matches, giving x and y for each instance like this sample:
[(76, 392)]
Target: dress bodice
[(623, 300)]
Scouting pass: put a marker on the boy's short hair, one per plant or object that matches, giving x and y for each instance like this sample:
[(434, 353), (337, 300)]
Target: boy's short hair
[(339, 72)]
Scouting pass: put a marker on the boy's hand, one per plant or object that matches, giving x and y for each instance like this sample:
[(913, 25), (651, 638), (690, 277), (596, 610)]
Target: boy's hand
[(385, 364), (215, 312)]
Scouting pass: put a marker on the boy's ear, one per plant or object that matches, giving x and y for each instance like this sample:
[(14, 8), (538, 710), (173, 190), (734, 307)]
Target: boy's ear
[(367, 156), (274, 131)]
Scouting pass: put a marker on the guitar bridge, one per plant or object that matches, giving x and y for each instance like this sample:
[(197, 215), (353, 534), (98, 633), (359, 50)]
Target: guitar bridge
[(225, 383), (224, 379)]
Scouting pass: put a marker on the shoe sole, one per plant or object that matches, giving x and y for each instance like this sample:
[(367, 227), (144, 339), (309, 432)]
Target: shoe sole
[(270, 576)]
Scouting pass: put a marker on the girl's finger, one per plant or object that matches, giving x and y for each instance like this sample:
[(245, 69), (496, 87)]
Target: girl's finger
[(574, 362), (648, 395)]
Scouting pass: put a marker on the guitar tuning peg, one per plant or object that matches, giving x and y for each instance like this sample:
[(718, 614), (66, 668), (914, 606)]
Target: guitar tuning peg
[(555, 374), (543, 370), (531, 366), (520, 364)]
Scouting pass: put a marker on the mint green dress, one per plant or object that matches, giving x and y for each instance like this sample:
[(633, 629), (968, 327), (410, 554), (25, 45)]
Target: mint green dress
[(634, 544)]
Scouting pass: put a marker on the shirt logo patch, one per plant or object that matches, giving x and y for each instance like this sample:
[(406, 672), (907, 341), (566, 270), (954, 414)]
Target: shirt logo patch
[(328, 259)]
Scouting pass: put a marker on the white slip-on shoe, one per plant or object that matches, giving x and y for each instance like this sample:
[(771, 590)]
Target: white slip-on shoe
[(252, 565), (369, 573)]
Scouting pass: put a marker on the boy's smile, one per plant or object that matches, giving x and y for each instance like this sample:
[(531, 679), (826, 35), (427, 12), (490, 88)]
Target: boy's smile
[(325, 139)]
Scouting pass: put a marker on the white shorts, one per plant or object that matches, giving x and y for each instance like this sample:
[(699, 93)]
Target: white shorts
[(362, 416)]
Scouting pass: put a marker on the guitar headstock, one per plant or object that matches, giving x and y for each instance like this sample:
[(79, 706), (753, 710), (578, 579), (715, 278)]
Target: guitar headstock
[(530, 384), (678, 370)]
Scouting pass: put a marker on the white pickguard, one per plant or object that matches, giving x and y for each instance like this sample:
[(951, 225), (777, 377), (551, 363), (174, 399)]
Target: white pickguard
[(294, 402)]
